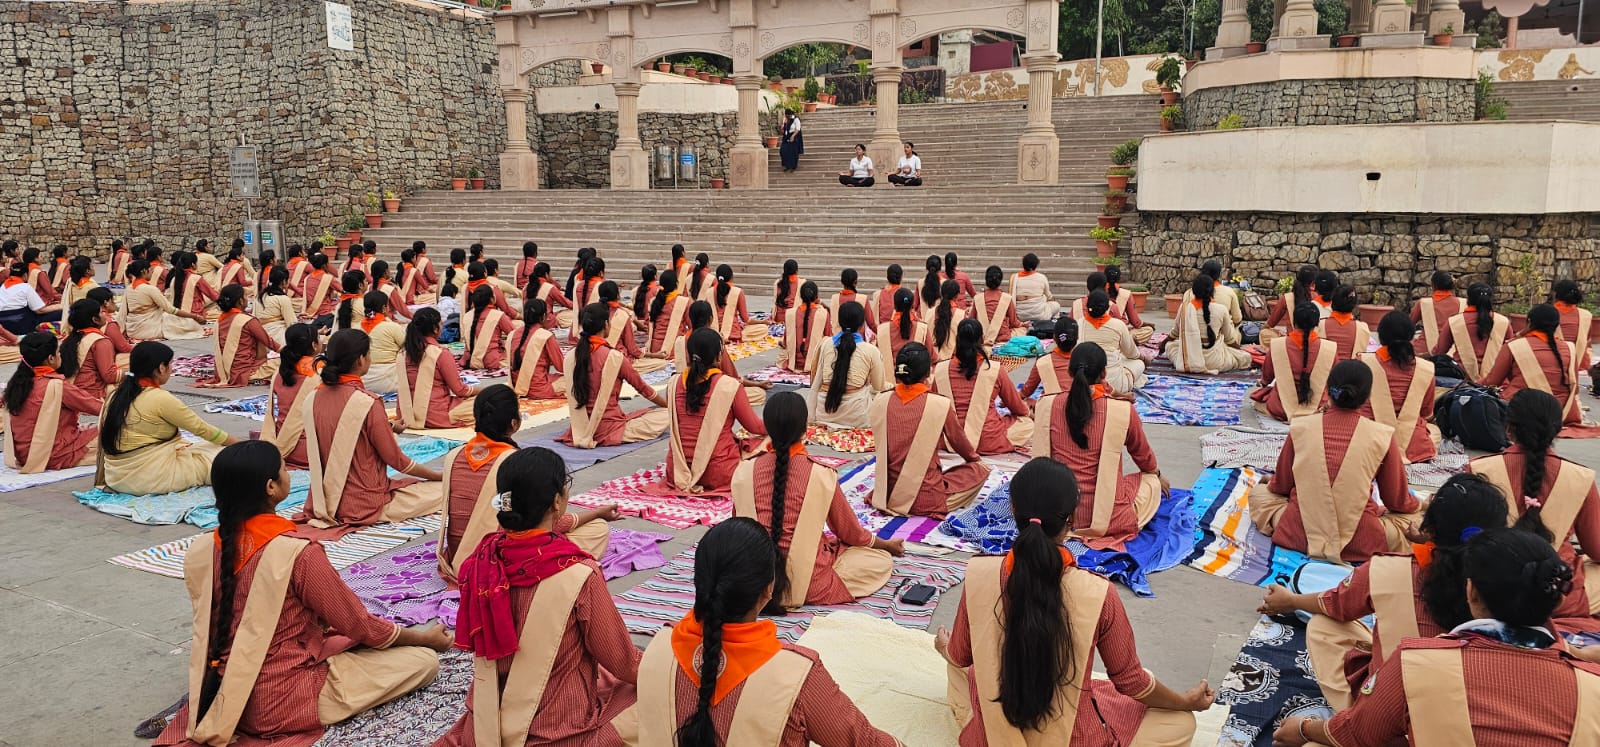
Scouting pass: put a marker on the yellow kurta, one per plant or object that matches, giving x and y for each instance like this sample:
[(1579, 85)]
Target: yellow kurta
[(866, 379), (276, 313), (388, 339), (154, 458)]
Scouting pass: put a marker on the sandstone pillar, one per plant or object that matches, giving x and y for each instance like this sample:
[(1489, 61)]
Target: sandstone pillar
[(748, 167), (1297, 28), (1447, 13), (519, 165), (1390, 26), (1361, 16), (884, 148), (1039, 150), (630, 165), (1233, 33)]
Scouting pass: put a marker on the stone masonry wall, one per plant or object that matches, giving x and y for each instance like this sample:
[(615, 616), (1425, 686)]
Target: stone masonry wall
[(575, 148), (1388, 258), (115, 119), (1333, 102)]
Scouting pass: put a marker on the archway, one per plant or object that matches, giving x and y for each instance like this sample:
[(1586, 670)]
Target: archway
[(628, 33)]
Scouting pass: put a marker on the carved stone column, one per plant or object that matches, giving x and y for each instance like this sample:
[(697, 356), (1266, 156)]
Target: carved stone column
[(749, 156), (1039, 150), (1233, 33), (1297, 28), (884, 148), (1447, 13), (519, 165), (1390, 26), (630, 165)]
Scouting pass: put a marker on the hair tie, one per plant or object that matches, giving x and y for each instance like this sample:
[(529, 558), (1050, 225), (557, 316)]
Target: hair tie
[(1336, 392), (900, 369), (1470, 532), (1035, 521), (502, 501), (1531, 502)]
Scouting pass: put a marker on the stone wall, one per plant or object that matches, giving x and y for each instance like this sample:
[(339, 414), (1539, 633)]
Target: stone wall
[(575, 148), (115, 119), (1332, 102), (1391, 255)]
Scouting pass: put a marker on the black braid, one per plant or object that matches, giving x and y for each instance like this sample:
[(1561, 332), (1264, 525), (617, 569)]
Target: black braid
[(780, 487)]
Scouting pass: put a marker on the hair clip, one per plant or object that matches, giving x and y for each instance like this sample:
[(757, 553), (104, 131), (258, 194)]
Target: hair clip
[(1531, 502), (502, 501), (900, 369), (1468, 533), (1035, 520), (1335, 392)]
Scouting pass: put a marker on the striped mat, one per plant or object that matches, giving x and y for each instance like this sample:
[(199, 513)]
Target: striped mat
[(1228, 544), (858, 482), (630, 496), (668, 596), (167, 559), (779, 375)]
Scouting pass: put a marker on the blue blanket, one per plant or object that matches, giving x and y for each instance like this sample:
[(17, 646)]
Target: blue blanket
[(1226, 542), (1176, 400), (1163, 543), (1269, 682), (198, 505), (255, 407)]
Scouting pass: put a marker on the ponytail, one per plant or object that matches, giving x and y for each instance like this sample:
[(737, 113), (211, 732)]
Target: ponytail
[(903, 300), (1481, 297), (36, 347), (350, 283), (1544, 318), (669, 284), (298, 341), (945, 312), (791, 268), (704, 349), (480, 300), (533, 311), (969, 349), (1088, 367), (724, 283), (80, 317), (1204, 289), (339, 358), (732, 569), (785, 418), (146, 357), (424, 324), (1036, 650), (930, 282), (851, 317), (1534, 419), (1306, 317), (592, 321), (641, 297)]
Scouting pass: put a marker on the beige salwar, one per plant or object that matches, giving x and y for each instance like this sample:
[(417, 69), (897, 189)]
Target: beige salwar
[(153, 458)]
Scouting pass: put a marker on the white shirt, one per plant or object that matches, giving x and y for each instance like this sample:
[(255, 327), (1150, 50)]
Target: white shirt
[(794, 125), (18, 296), (913, 162), (860, 167)]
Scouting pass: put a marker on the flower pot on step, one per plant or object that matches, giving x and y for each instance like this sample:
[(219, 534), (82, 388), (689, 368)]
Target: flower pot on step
[(343, 244), (1519, 323), (1166, 125), (353, 236), (1105, 248), (717, 182), (597, 67), (391, 205), (689, 71), (1168, 96), (1116, 181), (810, 106), (1117, 204), (477, 183), (791, 89), (1371, 313), (1109, 221), (374, 220), (1345, 40), (1442, 40), (772, 142), (663, 67), (458, 184), (1173, 299), (1138, 299), (1255, 47)]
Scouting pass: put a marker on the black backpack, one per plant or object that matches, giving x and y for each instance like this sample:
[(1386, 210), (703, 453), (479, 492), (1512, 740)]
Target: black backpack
[(1446, 372), (1044, 329), (1474, 415)]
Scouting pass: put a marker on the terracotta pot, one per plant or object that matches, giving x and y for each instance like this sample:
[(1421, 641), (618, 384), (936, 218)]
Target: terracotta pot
[(1189, 64), (505, 6), (809, 107), (1173, 299), (678, 69), (1109, 221), (1166, 125), (343, 244), (391, 205), (597, 67), (689, 70), (716, 183), (663, 67), (727, 81), (1372, 312), (1442, 40), (704, 77), (374, 220), (477, 183), (1100, 268), (791, 89), (472, 3), (1255, 47), (1168, 96), (1345, 40), (775, 86), (1116, 182), (458, 184), (1105, 248), (1519, 322), (353, 236), (331, 251), (1117, 204), (1138, 298), (772, 142)]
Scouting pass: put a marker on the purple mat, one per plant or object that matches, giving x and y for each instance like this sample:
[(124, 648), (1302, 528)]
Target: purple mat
[(577, 459), (404, 585)]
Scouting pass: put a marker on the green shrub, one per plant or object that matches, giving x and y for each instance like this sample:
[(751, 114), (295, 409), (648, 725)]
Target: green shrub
[(1231, 122), (1126, 153)]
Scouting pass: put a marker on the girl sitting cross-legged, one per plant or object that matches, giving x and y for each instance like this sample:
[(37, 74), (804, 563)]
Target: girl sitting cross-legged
[(142, 449), (849, 373), (595, 374), (1541, 360), (704, 404), (1349, 335), (805, 327), (1294, 379), (1205, 338), (41, 412), (241, 344), (1402, 389), (972, 382), (910, 424), (432, 394), (535, 357)]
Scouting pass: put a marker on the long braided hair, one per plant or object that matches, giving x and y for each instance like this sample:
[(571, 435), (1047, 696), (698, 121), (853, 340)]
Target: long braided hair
[(1534, 420), (945, 313), (704, 349), (36, 349), (84, 314), (1544, 318), (785, 418), (791, 268), (733, 568), (1204, 289), (641, 296), (1306, 317), (533, 311)]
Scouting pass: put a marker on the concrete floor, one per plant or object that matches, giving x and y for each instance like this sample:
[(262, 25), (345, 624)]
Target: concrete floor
[(90, 649)]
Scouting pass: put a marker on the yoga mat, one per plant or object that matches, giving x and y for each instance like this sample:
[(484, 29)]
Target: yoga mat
[(1244, 446), (255, 408), (891, 673), (844, 440), (632, 498), (167, 559), (403, 584), (1174, 400), (418, 718), (1269, 682), (778, 375), (11, 479), (1163, 543), (742, 350), (197, 505), (858, 481), (670, 594), (1227, 543), (577, 459)]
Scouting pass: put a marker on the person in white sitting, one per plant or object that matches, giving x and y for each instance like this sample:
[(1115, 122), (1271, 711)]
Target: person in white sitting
[(860, 172), (909, 174)]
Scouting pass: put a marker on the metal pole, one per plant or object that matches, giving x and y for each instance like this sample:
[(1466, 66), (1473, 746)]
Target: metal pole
[(1099, 43), (1577, 34)]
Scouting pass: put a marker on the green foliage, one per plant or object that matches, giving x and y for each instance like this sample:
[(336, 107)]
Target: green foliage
[(864, 69), (373, 204), (474, 173), (1108, 261), (389, 194), (909, 95), (1126, 153), (327, 238), (1491, 31), (1169, 74), (1285, 285), (1172, 113), (354, 221), (1119, 171), (1487, 103), (1108, 234), (1231, 122), (810, 90), (1525, 286), (803, 60)]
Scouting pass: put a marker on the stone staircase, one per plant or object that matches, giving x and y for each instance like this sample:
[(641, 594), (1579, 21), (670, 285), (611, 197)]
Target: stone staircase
[(1552, 99), (972, 144)]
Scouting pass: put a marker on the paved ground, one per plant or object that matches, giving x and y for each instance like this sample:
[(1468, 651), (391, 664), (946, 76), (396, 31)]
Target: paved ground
[(90, 648)]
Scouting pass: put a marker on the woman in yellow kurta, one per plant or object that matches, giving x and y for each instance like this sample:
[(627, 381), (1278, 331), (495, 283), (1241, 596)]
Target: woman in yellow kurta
[(141, 450), (388, 339)]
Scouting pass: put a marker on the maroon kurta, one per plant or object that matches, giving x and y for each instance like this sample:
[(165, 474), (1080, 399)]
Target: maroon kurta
[(1343, 336), (1338, 427), (1085, 465), (495, 355), (1060, 362), (937, 484), (72, 442), (845, 529), (330, 300), (119, 341), (285, 395), (608, 432), (1586, 525), (465, 484), (996, 427), (896, 341), (525, 270), (1268, 394), (254, 343), (1507, 375), (1421, 447), (99, 367), (718, 476), (1112, 701), (369, 487), (282, 709), (1009, 322), (659, 330), (554, 301), (500, 301), (1352, 600), (448, 388), (550, 359), (884, 310), (1443, 309)]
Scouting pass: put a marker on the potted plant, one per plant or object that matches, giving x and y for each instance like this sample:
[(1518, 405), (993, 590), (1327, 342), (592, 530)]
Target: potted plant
[(505, 4), (391, 201), (775, 82), (1138, 294), (597, 67), (810, 93), (1371, 313), (1122, 157), (1345, 40), (353, 225), (458, 179), (1117, 178), (1257, 43), (662, 66), (1445, 35), (717, 182), (1231, 122), (374, 216), (1105, 240), (1168, 76), (1169, 117), (1101, 263), (1108, 219), (477, 177), (1173, 300), (329, 244), (689, 70), (1116, 201)]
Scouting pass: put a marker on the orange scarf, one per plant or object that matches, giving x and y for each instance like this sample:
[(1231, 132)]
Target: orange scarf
[(710, 372), (596, 342), (908, 392), (1306, 338), (1197, 304), (85, 282), (349, 297), (254, 535), (798, 449), (1442, 295), (1100, 391), (1342, 317), (1423, 553), (43, 370), (1063, 352), (14, 280), (472, 285), (671, 297), (372, 321), (306, 367), (147, 382), (1025, 274), (745, 648), (296, 260), (1100, 321), (1383, 354), (1067, 560), (1537, 335), (481, 450), (90, 331), (1470, 310), (1564, 307), (352, 380)]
